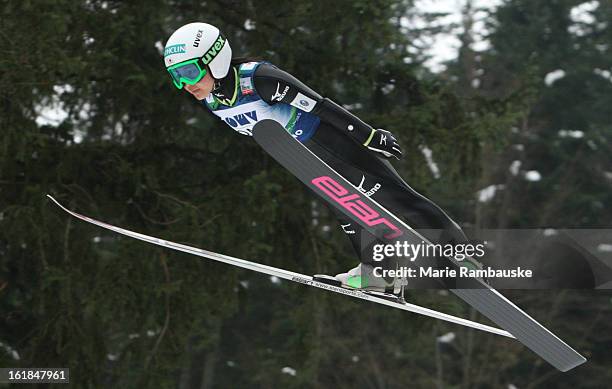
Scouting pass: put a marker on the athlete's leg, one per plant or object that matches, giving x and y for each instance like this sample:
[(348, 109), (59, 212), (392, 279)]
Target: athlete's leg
[(380, 181)]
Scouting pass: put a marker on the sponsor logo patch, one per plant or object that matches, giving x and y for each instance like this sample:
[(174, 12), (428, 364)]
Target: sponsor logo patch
[(246, 85), (279, 96), (303, 102), (241, 120), (213, 51), (174, 49), (198, 37), (369, 192), (248, 66)]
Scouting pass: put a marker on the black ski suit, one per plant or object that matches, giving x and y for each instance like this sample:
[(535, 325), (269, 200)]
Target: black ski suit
[(338, 140)]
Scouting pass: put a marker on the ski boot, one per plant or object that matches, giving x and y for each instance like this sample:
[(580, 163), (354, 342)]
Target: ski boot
[(362, 278)]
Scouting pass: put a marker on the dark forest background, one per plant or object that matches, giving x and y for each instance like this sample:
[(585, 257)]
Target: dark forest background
[(135, 152)]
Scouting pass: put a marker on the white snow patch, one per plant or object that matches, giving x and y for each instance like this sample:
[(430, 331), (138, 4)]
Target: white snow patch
[(487, 194), (230, 363), (112, 357), (289, 370), (50, 112), (244, 284), (249, 25), (160, 47), (326, 228), (11, 351), (446, 338), (476, 83), (583, 13), (133, 336), (533, 175), (433, 166), (583, 18), (82, 120), (96, 239), (605, 73), (444, 46), (388, 88), (275, 280), (78, 136), (355, 358), (515, 167), (61, 89), (608, 175), (577, 30), (605, 247), (85, 112), (571, 134), (518, 147), (88, 40), (512, 386), (553, 76)]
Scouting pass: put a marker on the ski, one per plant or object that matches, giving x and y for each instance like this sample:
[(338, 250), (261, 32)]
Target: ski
[(374, 218), (287, 275)]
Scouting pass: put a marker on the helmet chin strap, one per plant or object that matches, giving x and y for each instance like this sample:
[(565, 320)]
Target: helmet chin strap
[(226, 89)]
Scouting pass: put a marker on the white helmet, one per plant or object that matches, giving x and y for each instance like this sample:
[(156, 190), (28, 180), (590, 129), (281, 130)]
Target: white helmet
[(199, 41)]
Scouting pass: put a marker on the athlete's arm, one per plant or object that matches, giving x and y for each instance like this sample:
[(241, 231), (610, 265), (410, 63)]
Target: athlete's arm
[(277, 86)]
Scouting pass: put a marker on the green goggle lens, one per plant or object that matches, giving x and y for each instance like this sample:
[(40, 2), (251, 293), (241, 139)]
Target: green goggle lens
[(188, 72)]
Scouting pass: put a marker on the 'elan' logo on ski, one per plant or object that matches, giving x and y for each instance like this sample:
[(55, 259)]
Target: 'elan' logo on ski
[(354, 205), (241, 119), (213, 51), (279, 96)]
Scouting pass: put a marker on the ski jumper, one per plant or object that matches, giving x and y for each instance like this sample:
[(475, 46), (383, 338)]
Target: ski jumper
[(254, 91)]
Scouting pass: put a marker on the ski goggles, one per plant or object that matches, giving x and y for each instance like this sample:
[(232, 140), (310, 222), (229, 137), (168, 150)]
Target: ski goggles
[(187, 72)]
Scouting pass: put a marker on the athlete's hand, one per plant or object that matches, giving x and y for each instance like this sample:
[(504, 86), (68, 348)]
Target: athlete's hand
[(384, 142)]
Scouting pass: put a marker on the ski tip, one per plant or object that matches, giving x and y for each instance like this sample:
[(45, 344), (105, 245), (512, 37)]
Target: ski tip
[(57, 203), (53, 199)]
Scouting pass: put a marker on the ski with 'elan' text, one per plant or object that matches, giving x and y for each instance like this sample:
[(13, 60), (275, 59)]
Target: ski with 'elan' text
[(374, 218)]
